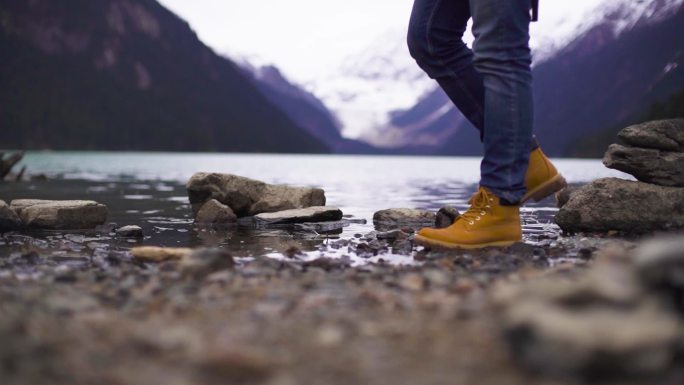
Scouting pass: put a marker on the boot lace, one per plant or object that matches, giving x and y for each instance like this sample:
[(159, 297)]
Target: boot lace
[(481, 204)]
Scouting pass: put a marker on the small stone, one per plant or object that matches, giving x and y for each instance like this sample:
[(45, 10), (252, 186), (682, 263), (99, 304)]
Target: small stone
[(330, 336), (203, 262), (585, 253), (412, 282), (129, 232), (309, 214), (293, 251), (159, 254), (329, 264), (215, 212), (404, 216), (391, 235), (446, 216)]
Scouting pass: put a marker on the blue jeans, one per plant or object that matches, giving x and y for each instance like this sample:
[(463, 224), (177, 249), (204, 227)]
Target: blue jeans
[(490, 84)]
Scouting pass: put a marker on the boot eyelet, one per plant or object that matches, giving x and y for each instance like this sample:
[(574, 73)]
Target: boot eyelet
[(471, 223), (478, 218), (483, 213)]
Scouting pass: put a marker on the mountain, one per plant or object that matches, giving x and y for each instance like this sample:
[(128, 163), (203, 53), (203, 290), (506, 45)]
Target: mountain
[(128, 75), (305, 109), (372, 84), (603, 68), (612, 75)]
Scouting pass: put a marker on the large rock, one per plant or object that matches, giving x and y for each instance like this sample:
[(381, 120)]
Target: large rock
[(622, 205), (309, 214), (404, 216), (666, 135), (248, 197), (9, 220), (647, 165), (215, 212), (60, 215)]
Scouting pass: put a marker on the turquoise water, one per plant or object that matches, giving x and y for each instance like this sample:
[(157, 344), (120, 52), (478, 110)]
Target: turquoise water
[(147, 189)]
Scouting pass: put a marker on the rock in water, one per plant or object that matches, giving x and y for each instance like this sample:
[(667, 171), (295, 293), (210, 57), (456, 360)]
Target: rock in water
[(666, 135), (446, 216), (622, 205), (60, 215), (248, 197), (159, 254), (403, 216), (215, 212), (309, 214), (647, 165), (9, 220), (129, 232)]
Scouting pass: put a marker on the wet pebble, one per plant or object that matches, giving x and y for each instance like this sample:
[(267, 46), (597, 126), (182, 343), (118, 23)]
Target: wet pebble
[(129, 232)]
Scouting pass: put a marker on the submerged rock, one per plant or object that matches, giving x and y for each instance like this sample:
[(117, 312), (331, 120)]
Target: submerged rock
[(248, 197), (622, 205), (647, 165), (129, 232), (159, 254), (214, 212), (446, 216), (666, 135), (9, 220), (309, 214), (404, 216), (60, 215)]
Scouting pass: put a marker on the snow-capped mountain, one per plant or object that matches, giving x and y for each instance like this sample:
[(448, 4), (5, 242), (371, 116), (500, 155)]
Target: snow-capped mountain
[(300, 105), (368, 86), (380, 95)]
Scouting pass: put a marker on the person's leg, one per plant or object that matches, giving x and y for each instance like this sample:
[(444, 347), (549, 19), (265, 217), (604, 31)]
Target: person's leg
[(502, 56), (435, 40)]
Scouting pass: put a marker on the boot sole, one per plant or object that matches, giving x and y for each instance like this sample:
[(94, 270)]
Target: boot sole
[(546, 189), (424, 241)]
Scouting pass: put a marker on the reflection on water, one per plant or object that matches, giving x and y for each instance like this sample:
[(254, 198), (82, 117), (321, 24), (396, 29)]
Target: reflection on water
[(148, 190)]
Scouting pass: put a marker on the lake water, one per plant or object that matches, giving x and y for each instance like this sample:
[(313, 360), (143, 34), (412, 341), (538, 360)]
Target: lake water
[(147, 189)]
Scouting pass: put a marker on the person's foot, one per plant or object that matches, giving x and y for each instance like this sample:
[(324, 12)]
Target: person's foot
[(542, 178), (487, 223)]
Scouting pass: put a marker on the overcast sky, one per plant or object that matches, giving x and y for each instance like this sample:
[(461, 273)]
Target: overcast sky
[(307, 37)]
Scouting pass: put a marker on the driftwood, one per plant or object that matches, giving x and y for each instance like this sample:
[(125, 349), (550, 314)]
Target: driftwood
[(8, 163)]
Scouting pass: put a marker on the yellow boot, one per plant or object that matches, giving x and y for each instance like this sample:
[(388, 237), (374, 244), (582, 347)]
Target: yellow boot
[(486, 223), (542, 178)]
